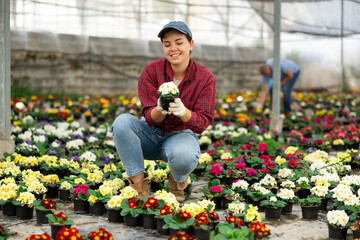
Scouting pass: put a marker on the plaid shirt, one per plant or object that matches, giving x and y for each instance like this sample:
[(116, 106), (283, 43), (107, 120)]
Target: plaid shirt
[(197, 92)]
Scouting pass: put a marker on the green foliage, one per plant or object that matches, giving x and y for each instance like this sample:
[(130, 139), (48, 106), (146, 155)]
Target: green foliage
[(5, 233), (175, 222), (275, 204), (310, 201), (228, 232), (53, 219), (21, 87), (126, 209)]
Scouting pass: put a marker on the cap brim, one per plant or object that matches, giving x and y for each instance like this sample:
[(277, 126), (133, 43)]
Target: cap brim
[(165, 30)]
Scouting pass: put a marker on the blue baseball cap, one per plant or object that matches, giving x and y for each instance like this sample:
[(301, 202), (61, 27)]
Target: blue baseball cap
[(177, 25)]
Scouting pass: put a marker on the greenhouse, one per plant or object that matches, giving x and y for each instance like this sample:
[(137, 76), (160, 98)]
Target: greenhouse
[(179, 119)]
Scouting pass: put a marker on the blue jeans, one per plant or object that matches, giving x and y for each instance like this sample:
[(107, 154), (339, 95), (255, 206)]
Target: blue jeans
[(136, 140), (286, 89)]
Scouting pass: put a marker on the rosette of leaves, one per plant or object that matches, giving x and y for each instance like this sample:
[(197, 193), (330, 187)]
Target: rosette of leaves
[(132, 206), (46, 204), (80, 192), (214, 189), (153, 206), (178, 220), (273, 201), (310, 201), (59, 218), (99, 197)]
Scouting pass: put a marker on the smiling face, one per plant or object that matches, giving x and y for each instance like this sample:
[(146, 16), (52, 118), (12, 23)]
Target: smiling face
[(177, 48)]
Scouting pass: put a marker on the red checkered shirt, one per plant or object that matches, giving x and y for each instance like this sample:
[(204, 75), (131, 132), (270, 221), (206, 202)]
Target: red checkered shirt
[(197, 92)]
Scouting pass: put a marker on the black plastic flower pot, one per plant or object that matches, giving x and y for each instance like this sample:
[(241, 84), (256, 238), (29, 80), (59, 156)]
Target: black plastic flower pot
[(98, 209), (287, 209), (64, 195), (55, 229), (164, 102), (114, 216), (218, 202), (337, 233), (41, 216), (187, 190), (149, 221), (323, 204), (356, 234), (201, 234), (81, 207), (272, 213), (131, 221), (310, 212), (9, 209), (159, 226), (24, 212)]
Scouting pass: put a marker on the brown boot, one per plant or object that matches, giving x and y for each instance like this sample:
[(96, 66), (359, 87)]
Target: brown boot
[(177, 188), (141, 187)]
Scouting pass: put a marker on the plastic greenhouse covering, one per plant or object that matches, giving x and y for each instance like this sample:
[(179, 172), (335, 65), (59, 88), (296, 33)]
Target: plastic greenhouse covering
[(314, 17)]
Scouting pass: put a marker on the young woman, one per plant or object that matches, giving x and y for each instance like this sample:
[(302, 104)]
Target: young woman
[(167, 135)]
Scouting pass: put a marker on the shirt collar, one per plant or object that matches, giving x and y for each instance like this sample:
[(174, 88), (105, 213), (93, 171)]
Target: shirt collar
[(188, 75)]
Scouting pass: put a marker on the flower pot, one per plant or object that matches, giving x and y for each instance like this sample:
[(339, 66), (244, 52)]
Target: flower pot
[(257, 203), (187, 190), (154, 186), (159, 226), (131, 221), (204, 147), (114, 216), (337, 233), (229, 181), (52, 192), (164, 102), (323, 204), (9, 209), (41, 216), (310, 212), (214, 224), (55, 229), (64, 195), (272, 213), (81, 207), (149, 221), (356, 234), (201, 234), (287, 209), (98, 209), (24, 212)]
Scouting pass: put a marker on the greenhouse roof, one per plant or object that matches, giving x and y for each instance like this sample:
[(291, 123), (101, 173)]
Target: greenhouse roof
[(324, 18)]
